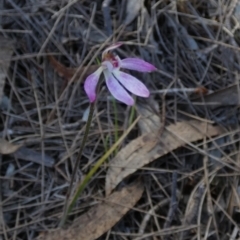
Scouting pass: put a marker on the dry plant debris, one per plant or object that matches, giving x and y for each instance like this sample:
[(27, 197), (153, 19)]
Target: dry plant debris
[(69, 73), (24, 153), (7, 147), (102, 217), (132, 10), (228, 96), (141, 151), (6, 51), (185, 143)]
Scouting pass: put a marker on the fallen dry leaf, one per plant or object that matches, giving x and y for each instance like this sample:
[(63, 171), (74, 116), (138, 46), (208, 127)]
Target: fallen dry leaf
[(68, 73), (100, 218), (6, 51), (149, 121), (132, 10), (7, 147), (144, 150)]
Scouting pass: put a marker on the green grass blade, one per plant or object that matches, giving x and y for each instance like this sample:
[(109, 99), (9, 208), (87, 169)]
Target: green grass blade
[(98, 164)]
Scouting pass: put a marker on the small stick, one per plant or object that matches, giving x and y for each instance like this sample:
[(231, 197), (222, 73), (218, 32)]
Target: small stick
[(173, 203), (107, 17), (178, 90)]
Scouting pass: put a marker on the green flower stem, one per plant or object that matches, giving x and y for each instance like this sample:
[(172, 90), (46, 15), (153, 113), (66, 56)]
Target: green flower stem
[(65, 208), (98, 164), (132, 114), (115, 123)]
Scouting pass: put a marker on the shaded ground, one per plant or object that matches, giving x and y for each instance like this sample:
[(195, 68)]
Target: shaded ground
[(191, 192)]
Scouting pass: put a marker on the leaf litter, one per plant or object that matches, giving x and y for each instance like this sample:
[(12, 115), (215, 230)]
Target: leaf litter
[(7, 147), (146, 149), (132, 10), (102, 217), (69, 73), (194, 46)]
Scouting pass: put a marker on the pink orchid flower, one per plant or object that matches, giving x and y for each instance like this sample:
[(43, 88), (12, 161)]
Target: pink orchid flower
[(117, 81)]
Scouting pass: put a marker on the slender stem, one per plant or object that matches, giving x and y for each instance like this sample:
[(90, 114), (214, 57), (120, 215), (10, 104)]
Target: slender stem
[(65, 208), (115, 123), (98, 165)]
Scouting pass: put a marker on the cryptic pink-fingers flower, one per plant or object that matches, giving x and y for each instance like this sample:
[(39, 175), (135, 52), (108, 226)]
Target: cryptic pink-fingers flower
[(118, 82)]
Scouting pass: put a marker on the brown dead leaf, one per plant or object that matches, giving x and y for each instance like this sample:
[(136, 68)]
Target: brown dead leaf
[(100, 218), (68, 73), (7, 147), (140, 151)]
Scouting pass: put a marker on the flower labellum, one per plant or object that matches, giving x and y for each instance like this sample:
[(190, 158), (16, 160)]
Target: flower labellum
[(118, 82)]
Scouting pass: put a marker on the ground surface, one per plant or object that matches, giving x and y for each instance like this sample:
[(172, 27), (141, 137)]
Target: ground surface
[(175, 175)]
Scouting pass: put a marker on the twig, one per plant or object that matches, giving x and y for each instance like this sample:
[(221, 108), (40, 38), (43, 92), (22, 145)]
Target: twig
[(178, 90), (173, 203), (192, 209), (149, 214), (107, 17)]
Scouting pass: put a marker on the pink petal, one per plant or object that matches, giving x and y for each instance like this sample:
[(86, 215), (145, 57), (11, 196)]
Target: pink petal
[(111, 47), (91, 84), (132, 84), (137, 64), (117, 90)]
